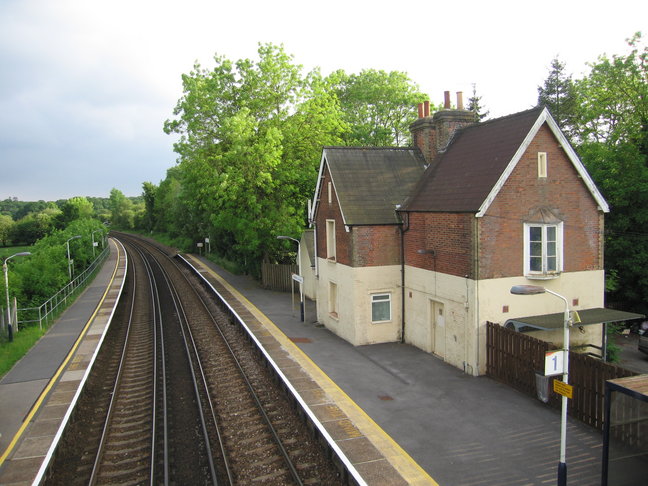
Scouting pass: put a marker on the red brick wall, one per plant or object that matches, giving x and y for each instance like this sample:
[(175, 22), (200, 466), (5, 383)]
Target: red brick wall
[(450, 235), (331, 211), (376, 245), (563, 191)]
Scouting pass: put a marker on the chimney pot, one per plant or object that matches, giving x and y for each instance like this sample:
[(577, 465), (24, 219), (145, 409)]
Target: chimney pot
[(420, 110), (446, 104), (460, 105), (426, 108)]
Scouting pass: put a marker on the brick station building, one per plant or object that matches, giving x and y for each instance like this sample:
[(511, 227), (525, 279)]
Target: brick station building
[(422, 245)]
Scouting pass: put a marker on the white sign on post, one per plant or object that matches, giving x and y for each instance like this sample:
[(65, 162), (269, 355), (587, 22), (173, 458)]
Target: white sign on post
[(554, 363)]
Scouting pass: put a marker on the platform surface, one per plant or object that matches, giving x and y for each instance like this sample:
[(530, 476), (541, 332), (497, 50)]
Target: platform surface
[(461, 430)]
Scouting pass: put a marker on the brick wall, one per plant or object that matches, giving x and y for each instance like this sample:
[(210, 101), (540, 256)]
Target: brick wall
[(331, 211), (448, 234), (563, 191), (376, 245)]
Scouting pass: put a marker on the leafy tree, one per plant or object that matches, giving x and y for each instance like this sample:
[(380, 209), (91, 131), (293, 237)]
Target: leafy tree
[(77, 208), (251, 133), (614, 132), (6, 224), (121, 210), (378, 106), (474, 105), (148, 193), (33, 227), (559, 95)]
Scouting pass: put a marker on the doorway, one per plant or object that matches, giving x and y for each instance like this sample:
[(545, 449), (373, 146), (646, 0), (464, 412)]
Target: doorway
[(436, 318)]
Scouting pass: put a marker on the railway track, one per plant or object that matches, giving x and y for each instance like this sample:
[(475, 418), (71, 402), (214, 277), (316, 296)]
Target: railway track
[(192, 403)]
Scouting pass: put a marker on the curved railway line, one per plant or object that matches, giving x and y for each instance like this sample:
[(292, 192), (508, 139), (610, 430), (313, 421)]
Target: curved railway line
[(178, 395)]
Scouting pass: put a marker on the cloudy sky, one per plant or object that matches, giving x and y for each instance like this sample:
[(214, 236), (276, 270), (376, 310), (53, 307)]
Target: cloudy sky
[(86, 85)]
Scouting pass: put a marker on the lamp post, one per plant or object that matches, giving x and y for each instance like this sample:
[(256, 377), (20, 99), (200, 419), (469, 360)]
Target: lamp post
[(534, 290), (93, 241), (67, 244), (6, 277), (301, 284)]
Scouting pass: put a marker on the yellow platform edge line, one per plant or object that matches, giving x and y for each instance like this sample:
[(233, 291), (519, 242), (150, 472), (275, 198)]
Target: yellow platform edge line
[(407, 467), (52, 381)]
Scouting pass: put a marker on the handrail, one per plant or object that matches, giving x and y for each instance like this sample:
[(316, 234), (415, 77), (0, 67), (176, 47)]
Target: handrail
[(46, 309)]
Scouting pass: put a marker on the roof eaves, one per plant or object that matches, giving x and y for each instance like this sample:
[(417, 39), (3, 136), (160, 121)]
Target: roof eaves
[(544, 116)]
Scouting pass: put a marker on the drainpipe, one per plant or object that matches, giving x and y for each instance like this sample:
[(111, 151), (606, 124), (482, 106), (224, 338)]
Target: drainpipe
[(402, 248)]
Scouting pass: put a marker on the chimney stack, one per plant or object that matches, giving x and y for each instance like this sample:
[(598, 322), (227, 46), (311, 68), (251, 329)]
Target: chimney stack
[(433, 134)]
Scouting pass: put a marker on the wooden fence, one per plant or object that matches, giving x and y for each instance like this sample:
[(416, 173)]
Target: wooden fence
[(277, 276), (514, 358)]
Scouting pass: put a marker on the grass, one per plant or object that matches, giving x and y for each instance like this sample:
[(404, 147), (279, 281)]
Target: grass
[(23, 340), (10, 250)]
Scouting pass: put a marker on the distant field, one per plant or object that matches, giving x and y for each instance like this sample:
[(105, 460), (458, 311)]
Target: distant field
[(11, 250)]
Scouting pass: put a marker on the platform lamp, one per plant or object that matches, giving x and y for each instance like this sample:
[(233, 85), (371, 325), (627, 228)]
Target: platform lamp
[(67, 244), (301, 284), (534, 290), (93, 240), (6, 277)]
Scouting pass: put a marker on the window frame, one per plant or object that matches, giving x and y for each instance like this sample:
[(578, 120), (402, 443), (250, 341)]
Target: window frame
[(542, 165), (544, 273), (330, 240), (388, 300), (333, 300)]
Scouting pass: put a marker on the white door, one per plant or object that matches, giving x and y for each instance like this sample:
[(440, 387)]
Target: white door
[(437, 328)]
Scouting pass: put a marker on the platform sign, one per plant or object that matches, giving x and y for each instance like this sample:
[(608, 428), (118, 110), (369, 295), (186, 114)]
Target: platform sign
[(554, 363), (562, 388)]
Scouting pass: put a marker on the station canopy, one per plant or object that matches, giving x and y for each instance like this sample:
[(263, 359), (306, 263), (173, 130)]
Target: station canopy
[(552, 322)]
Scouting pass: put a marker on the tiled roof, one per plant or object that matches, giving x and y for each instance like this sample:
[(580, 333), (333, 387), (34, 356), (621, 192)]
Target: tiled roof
[(371, 182), (461, 178)]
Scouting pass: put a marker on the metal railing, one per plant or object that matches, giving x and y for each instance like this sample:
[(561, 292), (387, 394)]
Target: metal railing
[(46, 311)]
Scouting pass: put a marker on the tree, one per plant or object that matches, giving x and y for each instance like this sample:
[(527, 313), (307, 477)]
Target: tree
[(6, 224), (77, 208), (474, 105), (613, 128), (121, 210), (251, 133), (148, 193), (558, 93), (378, 106)]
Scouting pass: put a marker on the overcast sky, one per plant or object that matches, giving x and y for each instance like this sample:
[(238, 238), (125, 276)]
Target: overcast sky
[(86, 85)]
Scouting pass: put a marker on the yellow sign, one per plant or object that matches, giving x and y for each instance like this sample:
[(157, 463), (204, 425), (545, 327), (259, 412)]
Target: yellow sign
[(563, 389)]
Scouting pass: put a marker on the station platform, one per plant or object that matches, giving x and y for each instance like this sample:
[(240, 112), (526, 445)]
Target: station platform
[(37, 394)]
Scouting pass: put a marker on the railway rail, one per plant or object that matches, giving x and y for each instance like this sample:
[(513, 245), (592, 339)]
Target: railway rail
[(191, 403)]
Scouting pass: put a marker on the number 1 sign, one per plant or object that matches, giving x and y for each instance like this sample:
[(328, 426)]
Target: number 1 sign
[(554, 363)]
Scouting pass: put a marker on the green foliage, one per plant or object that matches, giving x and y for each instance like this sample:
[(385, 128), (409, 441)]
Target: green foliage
[(6, 226), (122, 211), (251, 134), (474, 105), (76, 208), (612, 349), (613, 114), (559, 95), (34, 279), (378, 106)]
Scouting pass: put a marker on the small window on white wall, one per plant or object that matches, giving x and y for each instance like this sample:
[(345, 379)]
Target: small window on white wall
[(380, 307), (333, 299), (542, 165)]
